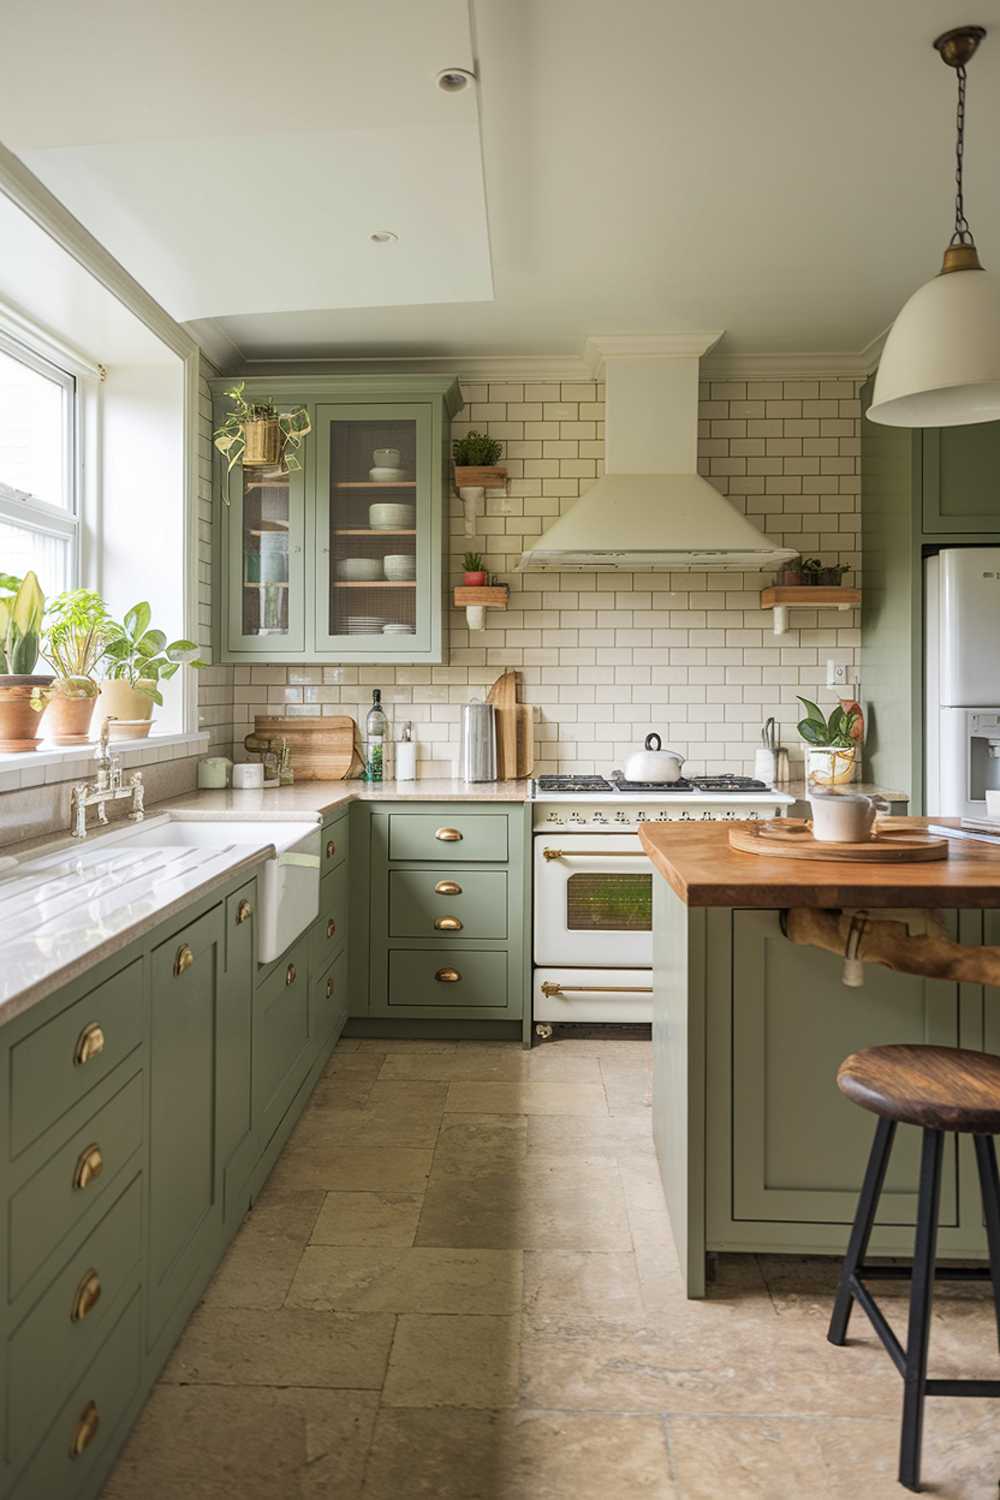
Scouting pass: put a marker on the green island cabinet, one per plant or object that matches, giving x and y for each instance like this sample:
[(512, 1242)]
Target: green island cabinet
[(341, 559), (143, 1106), (921, 490)]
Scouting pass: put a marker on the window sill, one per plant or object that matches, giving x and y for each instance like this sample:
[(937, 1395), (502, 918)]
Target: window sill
[(55, 763)]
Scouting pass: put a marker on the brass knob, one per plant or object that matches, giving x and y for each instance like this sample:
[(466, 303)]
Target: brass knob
[(90, 1164), (85, 1430), (243, 913), (331, 848), (331, 928), (184, 960), (448, 835), (447, 924), (86, 1296), (88, 1044), (291, 974), (447, 888), (447, 976), (329, 988)]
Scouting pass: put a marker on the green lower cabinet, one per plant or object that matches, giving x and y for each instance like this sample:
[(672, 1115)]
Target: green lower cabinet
[(330, 1001), (281, 1039), (422, 905)]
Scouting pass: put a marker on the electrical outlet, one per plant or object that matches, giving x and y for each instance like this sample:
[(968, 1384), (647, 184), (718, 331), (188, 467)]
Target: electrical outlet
[(837, 674)]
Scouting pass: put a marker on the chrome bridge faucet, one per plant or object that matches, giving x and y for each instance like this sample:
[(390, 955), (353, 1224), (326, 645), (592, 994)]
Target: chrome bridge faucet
[(108, 787)]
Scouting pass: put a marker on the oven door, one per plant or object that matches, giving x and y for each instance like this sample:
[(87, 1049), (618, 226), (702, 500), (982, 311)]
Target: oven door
[(593, 900)]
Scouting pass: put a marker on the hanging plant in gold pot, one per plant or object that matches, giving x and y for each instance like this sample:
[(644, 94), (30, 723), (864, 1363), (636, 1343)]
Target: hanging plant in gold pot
[(258, 435), (23, 693)]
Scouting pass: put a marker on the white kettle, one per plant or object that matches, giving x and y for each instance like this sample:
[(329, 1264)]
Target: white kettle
[(653, 763)]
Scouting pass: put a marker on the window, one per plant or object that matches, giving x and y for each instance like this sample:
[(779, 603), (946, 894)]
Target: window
[(39, 520)]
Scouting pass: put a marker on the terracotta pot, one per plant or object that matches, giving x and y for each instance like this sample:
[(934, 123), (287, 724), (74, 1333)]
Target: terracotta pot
[(67, 719), (18, 719), (263, 443), (120, 700), (480, 476), (474, 580)]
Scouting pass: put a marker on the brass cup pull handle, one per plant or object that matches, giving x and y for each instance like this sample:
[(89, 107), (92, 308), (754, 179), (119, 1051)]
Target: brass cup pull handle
[(85, 1430), (183, 961), (291, 974), (447, 888), (243, 913), (447, 924), (331, 848), (86, 1296), (448, 835), (331, 928), (89, 1043), (329, 988), (447, 976), (90, 1164)]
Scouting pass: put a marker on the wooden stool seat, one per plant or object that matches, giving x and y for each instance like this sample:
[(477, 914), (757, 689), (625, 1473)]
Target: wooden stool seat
[(938, 1088)]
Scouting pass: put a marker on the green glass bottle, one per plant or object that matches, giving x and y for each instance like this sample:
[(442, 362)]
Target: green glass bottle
[(376, 734)]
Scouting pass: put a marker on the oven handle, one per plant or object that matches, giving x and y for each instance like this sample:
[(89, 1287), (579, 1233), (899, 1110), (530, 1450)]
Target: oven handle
[(549, 987), (594, 854)]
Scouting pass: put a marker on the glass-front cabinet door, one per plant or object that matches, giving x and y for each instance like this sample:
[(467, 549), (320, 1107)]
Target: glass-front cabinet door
[(267, 614), (378, 534)]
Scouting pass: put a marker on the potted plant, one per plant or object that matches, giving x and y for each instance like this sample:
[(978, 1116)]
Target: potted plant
[(258, 435), (76, 631), (811, 569), (789, 575), (23, 694), (831, 575), (831, 757), (476, 462), (136, 661), (475, 574)]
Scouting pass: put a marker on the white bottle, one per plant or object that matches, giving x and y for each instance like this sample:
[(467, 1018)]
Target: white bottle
[(406, 755)]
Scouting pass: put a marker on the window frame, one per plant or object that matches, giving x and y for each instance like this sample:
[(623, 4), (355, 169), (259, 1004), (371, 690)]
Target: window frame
[(22, 509)]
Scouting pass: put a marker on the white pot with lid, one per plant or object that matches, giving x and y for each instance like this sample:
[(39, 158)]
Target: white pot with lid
[(653, 763)]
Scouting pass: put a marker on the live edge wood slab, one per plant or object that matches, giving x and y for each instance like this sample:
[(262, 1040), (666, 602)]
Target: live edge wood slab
[(701, 868)]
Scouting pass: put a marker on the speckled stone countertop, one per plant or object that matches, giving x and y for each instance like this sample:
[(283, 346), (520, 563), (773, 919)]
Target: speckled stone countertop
[(800, 791), (322, 797)]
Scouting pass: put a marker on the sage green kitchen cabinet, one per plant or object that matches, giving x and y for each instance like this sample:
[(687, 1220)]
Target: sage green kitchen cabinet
[(961, 478), (292, 545)]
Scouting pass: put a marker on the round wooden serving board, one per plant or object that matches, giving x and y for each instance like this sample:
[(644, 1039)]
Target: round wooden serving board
[(790, 838)]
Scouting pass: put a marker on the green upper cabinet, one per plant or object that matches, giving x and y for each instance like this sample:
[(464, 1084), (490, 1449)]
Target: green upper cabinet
[(961, 478), (342, 560)]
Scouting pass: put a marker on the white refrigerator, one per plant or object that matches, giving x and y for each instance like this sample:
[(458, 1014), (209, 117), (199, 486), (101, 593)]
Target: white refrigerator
[(962, 679)]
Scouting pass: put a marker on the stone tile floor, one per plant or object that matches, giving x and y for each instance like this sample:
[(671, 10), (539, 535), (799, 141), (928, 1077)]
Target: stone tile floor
[(459, 1284)]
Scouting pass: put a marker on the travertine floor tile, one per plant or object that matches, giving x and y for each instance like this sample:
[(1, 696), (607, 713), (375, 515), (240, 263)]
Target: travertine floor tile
[(392, 1125), (415, 1280), (453, 1361), (438, 1454), (548, 1204), (388, 1045), (393, 1169), (564, 1288), (223, 1443), (386, 1218), (285, 1214), (509, 1064), (256, 1272), (623, 1137), (527, 1099), (223, 1346), (470, 1145)]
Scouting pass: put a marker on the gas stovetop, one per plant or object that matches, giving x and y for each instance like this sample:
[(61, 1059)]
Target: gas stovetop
[(545, 787)]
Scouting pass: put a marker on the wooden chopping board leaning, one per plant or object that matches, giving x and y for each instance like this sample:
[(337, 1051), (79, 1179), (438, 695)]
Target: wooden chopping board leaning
[(515, 729), (321, 749)]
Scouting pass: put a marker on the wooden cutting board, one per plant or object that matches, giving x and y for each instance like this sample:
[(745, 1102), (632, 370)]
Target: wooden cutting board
[(525, 740), (503, 696), (321, 749), (789, 838)]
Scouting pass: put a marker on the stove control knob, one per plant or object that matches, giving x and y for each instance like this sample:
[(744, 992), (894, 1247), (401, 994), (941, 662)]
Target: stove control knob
[(753, 814), (640, 817), (685, 817), (598, 817), (621, 817), (708, 817)]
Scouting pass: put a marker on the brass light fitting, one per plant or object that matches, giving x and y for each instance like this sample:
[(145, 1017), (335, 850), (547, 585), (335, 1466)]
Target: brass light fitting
[(957, 48)]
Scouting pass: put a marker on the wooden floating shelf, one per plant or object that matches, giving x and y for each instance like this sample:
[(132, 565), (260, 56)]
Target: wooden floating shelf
[(782, 597), (486, 596), (370, 531), (373, 484), (376, 583), (266, 528), (281, 483)]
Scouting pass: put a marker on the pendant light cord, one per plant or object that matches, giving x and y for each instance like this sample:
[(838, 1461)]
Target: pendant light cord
[(962, 234)]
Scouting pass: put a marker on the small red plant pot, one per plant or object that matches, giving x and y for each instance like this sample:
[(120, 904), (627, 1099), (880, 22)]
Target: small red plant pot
[(474, 580)]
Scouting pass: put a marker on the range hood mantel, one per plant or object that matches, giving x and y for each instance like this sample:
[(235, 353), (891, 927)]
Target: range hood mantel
[(651, 510)]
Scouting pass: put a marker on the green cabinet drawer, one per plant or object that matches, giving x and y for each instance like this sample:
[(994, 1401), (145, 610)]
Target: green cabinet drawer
[(55, 1066), (469, 904), (329, 1001), (329, 933), (72, 1180), (65, 1329), (456, 837), (280, 1038), (447, 977), (76, 1447), (336, 843)]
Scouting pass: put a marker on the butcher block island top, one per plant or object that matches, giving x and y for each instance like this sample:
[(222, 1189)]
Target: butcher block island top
[(701, 868)]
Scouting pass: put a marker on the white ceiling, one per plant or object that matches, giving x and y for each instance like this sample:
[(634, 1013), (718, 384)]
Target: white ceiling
[(782, 170)]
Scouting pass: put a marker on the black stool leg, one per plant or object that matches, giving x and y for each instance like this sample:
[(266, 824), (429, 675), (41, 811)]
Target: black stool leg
[(986, 1160), (864, 1219), (921, 1298)]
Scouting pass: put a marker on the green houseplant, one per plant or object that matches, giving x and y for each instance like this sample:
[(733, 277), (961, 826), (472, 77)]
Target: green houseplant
[(136, 660), (475, 574), (258, 435), (23, 694), (476, 460), (75, 635), (832, 747)]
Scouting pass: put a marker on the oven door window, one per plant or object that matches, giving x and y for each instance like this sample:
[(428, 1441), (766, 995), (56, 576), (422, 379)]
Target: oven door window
[(607, 902)]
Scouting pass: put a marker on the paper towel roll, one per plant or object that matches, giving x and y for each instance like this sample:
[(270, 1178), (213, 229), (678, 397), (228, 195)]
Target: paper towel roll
[(406, 760)]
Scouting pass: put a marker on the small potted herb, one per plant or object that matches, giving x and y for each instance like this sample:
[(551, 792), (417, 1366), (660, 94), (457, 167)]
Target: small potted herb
[(476, 461), (831, 756), (832, 575), (812, 567), (258, 435), (789, 576), (475, 574), (23, 694), (76, 632), (136, 661)]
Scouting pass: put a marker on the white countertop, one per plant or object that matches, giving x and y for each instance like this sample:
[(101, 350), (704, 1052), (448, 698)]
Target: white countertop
[(311, 797)]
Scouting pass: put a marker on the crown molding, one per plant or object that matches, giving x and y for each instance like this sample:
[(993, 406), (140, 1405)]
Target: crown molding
[(470, 368), (599, 348), (218, 347), (785, 367)]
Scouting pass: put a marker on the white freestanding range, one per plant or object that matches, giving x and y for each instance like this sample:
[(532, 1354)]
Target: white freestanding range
[(962, 680), (593, 946)]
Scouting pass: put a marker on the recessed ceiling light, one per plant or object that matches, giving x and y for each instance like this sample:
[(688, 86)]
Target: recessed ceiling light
[(454, 80), (383, 237)]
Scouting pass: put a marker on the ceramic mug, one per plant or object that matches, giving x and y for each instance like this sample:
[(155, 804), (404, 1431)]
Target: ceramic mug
[(248, 774), (844, 817)]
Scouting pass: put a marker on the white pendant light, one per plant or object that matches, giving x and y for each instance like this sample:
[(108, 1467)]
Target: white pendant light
[(941, 363)]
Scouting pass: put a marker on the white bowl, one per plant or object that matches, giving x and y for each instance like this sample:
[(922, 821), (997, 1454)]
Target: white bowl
[(390, 517), (386, 458), (400, 566), (386, 476), (359, 569)]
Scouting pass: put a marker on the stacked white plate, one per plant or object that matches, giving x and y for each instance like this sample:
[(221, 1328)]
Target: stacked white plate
[(392, 517), (364, 624), (387, 476), (398, 629), (359, 569), (400, 567)]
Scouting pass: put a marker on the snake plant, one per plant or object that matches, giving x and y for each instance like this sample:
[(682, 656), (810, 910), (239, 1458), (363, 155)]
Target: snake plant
[(22, 606)]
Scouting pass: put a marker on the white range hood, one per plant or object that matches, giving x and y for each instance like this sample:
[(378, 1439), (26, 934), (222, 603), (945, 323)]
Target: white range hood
[(651, 510)]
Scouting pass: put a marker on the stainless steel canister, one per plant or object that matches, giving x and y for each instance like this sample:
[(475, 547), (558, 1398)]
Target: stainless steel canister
[(479, 741)]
